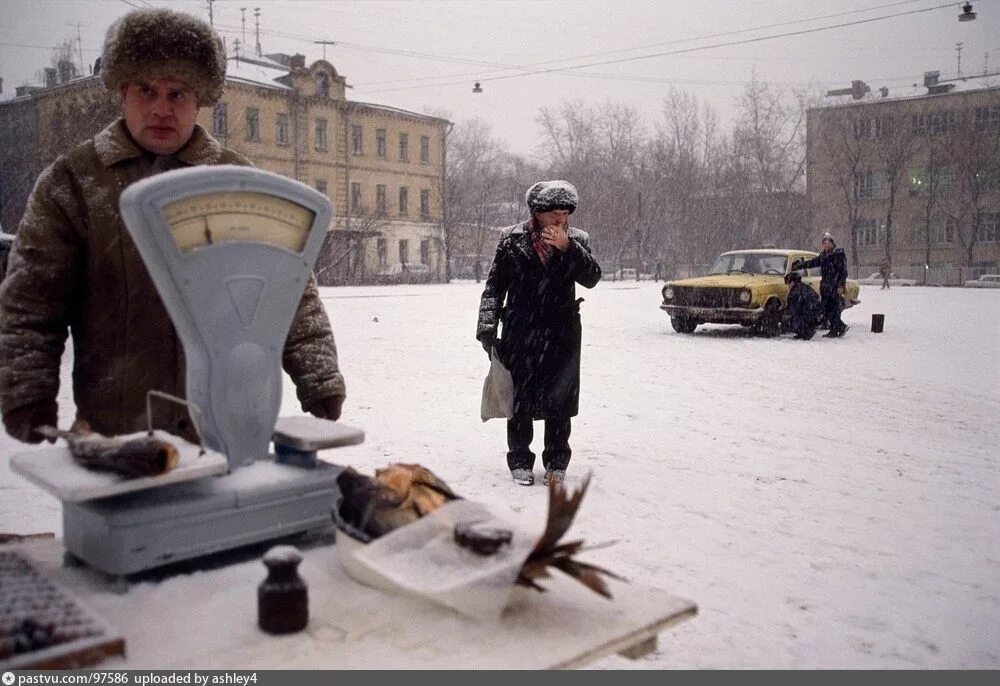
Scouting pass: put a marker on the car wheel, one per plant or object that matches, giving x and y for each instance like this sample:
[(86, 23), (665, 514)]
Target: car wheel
[(683, 324), (770, 320)]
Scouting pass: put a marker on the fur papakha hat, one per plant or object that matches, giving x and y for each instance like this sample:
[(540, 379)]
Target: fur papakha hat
[(546, 196), (829, 237), (151, 43)]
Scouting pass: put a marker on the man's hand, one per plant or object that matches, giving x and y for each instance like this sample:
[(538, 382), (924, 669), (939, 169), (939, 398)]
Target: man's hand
[(556, 236), (327, 408), (840, 291), (23, 422)]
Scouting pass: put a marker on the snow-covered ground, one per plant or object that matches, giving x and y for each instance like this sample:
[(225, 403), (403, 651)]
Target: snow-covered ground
[(831, 503)]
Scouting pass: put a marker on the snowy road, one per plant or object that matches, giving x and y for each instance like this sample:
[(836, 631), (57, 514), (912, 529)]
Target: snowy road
[(831, 503)]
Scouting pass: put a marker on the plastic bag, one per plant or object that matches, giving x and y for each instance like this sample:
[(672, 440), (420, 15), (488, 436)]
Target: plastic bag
[(498, 391), (423, 559)]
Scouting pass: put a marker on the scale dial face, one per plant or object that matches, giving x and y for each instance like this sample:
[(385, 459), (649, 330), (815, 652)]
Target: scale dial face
[(237, 216)]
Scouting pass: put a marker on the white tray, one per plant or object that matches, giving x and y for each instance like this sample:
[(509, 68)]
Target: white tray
[(54, 470)]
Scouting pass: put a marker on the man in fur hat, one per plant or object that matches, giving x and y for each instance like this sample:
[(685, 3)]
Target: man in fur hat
[(536, 268), (75, 268), (832, 262)]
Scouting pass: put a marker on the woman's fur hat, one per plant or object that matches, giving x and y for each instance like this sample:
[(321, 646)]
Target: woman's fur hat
[(152, 43), (546, 196)]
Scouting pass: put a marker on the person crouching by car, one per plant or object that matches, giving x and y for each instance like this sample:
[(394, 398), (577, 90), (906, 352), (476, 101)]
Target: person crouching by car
[(536, 268), (833, 268), (803, 307)]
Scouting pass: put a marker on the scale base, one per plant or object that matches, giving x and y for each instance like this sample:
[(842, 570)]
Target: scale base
[(135, 532)]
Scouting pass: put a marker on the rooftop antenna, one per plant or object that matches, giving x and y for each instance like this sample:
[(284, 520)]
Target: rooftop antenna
[(236, 49), (986, 63), (958, 49), (256, 16), (324, 43), (79, 42), (211, 16), (243, 21)]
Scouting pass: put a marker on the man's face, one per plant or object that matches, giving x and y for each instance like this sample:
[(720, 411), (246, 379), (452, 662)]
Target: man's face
[(827, 244), (160, 114), (552, 218)]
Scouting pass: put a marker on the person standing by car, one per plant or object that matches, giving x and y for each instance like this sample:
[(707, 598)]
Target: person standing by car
[(536, 268), (803, 307), (832, 262), (75, 270)]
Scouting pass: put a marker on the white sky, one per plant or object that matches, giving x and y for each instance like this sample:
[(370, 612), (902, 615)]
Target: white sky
[(891, 52)]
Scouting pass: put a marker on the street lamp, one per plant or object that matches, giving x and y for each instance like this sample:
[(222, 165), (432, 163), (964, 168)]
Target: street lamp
[(967, 13), (478, 89)]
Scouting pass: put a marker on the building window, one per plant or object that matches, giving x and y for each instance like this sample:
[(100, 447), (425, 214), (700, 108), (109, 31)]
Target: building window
[(988, 178), (870, 128), (425, 150), (425, 251), (941, 178), (986, 118), (321, 134), (281, 136), (942, 229), (357, 203), (870, 232), (220, 119), (404, 147), (988, 227), (404, 251), (253, 124), (322, 85), (933, 122), (383, 252), (380, 200), (357, 140), (870, 184), (425, 204), (321, 186), (404, 201), (380, 143)]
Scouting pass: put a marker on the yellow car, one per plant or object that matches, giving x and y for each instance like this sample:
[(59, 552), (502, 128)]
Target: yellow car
[(743, 287)]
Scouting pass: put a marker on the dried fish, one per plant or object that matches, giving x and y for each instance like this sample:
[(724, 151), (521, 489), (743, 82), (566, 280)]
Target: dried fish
[(403, 493), (127, 457)]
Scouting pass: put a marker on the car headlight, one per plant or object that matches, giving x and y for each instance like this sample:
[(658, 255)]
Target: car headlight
[(668, 293), (745, 297)]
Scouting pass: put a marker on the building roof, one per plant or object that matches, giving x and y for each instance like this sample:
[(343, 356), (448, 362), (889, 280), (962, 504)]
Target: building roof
[(257, 72), (395, 110), (915, 91)]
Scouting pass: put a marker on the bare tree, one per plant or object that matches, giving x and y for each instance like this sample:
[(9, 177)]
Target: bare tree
[(973, 154)]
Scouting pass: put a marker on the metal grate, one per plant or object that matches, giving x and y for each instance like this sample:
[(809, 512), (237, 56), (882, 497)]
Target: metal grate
[(43, 626), (694, 296)]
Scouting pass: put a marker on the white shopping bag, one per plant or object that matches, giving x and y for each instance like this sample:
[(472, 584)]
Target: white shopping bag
[(498, 391)]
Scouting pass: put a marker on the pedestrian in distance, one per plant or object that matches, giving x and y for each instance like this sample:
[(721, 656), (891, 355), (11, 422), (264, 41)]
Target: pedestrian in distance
[(832, 262), (803, 307)]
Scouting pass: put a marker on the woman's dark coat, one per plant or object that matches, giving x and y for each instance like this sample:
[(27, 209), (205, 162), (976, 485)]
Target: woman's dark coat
[(541, 319)]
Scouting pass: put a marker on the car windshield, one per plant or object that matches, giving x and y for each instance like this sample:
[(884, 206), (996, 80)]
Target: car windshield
[(750, 263)]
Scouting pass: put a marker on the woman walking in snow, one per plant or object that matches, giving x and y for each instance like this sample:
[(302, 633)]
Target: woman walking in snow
[(535, 271)]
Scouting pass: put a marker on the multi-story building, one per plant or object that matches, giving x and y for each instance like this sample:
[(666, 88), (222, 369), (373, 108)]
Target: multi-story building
[(912, 179), (382, 167)]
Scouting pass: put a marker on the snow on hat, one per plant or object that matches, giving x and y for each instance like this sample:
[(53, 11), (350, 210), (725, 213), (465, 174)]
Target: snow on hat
[(164, 43), (829, 237), (546, 196)]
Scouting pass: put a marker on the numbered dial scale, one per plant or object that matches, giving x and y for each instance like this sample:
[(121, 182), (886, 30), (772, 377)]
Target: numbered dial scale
[(230, 250)]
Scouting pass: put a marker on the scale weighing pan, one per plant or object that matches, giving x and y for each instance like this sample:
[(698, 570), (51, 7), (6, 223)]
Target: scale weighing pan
[(53, 469)]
